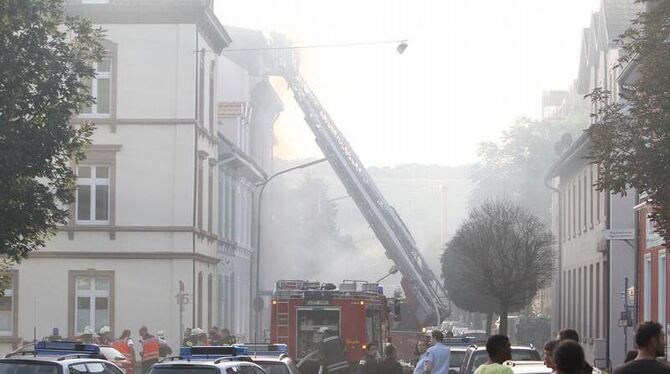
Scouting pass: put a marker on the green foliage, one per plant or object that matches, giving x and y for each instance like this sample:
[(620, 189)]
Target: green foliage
[(498, 260), (631, 137), (43, 59), (515, 167)]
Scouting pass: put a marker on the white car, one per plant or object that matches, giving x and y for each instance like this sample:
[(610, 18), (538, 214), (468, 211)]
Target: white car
[(528, 367), (273, 358), (208, 360), (59, 358)]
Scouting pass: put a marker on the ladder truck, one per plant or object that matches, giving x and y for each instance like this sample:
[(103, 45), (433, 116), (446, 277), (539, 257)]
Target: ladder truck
[(424, 293)]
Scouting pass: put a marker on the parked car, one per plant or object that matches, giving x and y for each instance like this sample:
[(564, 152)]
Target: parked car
[(105, 353), (528, 367), (476, 356), (57, 358)]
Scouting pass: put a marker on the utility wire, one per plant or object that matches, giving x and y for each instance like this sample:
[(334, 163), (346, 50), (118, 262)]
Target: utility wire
[(315, 46)]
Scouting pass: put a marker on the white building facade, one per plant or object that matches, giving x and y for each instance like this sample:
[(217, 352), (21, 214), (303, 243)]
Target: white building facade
[(594, 272), (247, 109), (144, 224)]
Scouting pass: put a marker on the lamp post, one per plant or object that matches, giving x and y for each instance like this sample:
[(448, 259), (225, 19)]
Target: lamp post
[(257, 306)]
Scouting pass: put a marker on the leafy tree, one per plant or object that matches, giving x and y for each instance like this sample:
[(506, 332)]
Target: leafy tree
[(44, 58), (631, 137), (498, 260), (515, 167)]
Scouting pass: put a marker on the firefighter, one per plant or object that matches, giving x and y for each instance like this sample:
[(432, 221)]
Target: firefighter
[(125, 345), (150, 349), (104, 335), (332, 352)]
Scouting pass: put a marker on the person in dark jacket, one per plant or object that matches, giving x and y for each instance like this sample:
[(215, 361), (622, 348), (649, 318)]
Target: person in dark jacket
[(572, 335), (332, 351), (390, 363), (369, 362)]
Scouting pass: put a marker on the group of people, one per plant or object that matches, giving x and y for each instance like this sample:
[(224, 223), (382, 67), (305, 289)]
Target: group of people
[(564, 355), (372, 363), (197, 336), (152, 347)]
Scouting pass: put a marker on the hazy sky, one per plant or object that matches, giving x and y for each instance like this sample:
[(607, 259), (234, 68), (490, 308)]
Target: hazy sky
[(471, 68)]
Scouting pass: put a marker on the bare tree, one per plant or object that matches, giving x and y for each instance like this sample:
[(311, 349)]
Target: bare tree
[(503, 257)]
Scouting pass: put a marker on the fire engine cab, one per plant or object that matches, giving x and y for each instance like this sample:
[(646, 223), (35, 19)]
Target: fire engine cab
[(357, 311)]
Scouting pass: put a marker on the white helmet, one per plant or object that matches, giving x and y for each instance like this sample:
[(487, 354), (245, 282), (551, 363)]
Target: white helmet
[(197, 331), (105, 329), (160, 334), (88, 330)]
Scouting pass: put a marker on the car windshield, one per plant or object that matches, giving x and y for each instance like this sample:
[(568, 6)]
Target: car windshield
[(525, 355), (274, 367), (30, 367), (183, 369)]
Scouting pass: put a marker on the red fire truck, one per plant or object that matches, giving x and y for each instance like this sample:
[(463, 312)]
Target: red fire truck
[(357, 311)]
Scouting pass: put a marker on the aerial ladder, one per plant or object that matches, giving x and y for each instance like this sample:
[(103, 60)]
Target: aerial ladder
[(424, 292)]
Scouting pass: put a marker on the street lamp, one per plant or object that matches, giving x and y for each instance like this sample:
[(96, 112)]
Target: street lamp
[(257, 301)]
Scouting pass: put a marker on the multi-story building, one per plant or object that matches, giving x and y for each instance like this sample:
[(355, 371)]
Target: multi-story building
[(247, 109), (143, 226), (594, 271)]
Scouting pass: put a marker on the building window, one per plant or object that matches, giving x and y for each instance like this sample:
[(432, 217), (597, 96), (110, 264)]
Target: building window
[(591, 202), (210, 295), (662, 287), (647, 288), (92, 300), (201, 88), (199, 310), (212, 98), (591, 311), (585, 202), (652, 239), (574, 210), (200, 192), (8, 312), (100, 88), (597, 311), (93, 194), (210, 200), (579, 205)]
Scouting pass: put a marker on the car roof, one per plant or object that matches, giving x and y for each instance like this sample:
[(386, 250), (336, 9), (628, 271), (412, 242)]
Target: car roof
[(514, 347), (227, 362), (528, 367), (55, 359)]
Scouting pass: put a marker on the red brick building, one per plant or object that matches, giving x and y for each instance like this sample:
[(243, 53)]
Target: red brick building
[(652, 296)]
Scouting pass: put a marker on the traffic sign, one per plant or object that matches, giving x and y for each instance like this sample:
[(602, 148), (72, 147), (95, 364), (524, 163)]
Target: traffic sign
[(619, 234)]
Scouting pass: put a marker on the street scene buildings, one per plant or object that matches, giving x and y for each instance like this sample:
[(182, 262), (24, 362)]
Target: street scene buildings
[(169, 228)]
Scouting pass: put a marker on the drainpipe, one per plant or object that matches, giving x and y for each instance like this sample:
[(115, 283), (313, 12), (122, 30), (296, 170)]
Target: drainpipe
[(607, 281)]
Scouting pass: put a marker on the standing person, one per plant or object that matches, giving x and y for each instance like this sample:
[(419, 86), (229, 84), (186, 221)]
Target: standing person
[(499, 350), (650, 342), (332, 351), (55, 335), (572, 335), (150, 349), (437, 356), (390, 363), (187, 338), (164, 350), (104, 337), (125, 345), (226, 338), (421, 347), (87, 337), (548, 357), (569, 357), (215, 337), (370, 361)]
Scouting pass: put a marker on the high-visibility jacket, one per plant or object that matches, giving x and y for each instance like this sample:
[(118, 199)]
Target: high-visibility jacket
[(333, 354), (122, 346), (150, 348)]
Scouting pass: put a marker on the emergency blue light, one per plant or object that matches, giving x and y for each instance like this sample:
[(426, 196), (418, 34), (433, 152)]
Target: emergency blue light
[(265, 349), (65, 347), (211, 352)]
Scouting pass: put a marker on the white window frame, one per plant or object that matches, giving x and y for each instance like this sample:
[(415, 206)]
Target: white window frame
[(94, 81), (10, 292), (93, 181), (662, 287), (92, 294), (647, 287)]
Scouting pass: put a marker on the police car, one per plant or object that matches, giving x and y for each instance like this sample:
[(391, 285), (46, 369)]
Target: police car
[(271, 357), (59, 358), (207, 360)]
